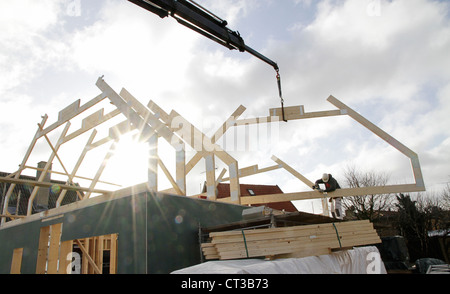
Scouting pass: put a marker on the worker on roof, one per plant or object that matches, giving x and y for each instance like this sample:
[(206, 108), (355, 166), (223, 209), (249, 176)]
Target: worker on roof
[(331, 185)]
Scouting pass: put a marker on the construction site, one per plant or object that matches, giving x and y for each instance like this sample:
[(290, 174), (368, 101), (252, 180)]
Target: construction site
[(64, 227)]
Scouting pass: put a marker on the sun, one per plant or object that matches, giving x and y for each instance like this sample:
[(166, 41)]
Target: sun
[(128, 164)]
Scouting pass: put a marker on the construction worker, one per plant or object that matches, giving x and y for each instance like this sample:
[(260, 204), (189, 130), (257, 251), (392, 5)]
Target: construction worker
[(331, 185)]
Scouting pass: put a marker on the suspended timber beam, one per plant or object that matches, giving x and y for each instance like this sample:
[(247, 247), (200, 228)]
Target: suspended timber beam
[(293, 116), (298, 113), (385, 136)]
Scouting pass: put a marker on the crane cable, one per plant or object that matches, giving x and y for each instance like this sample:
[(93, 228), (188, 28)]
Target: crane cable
[(276, 66), (279, 92)]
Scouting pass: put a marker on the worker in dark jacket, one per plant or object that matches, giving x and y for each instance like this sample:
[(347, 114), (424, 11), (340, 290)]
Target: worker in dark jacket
[(331, 185)]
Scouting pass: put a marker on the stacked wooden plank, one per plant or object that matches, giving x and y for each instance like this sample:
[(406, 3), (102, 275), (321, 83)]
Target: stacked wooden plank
[(295, 241)]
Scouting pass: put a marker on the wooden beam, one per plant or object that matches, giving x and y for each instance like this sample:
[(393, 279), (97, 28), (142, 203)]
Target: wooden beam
[(293, 171), (55, 152), (88, 125), (271, 119), (180, 169), (16, 262), (219, 178), (235, 190), (149, 118), (12, 216), (53, 250), (135, 119), (49, 185), (77, 165), (383, 135), (287, 232), (205, 147), (24, 162), (41, 262), (163, 130), (99, 253), (217, 135), (84, 259), (88, 257), (73, 175), (290, 112), (253, 170), (210, 167), (47, 165), (159, 112), (196, 139), (113, 254), (70, 112), (318, 195), (65, 259), (169, 177), (100, 170), (286, 240), (152, 163), (201, 143)]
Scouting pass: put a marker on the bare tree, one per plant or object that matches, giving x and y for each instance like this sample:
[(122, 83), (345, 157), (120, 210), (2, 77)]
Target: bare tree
[(367, 206), (445, 196), (417, 218)]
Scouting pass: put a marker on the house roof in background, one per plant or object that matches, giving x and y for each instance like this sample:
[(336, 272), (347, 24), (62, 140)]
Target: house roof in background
[(223, 191)]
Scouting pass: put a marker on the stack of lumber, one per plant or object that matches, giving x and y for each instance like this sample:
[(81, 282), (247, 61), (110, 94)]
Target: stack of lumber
[(294, 241)]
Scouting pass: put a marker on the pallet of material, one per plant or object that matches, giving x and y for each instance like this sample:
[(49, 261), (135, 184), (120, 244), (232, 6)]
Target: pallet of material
[(294, 241)]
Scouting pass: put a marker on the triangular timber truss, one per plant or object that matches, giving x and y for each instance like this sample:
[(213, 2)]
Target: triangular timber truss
[(153, 123)]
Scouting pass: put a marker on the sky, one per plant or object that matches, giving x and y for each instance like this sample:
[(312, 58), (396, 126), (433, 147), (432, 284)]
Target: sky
[(388, 60)]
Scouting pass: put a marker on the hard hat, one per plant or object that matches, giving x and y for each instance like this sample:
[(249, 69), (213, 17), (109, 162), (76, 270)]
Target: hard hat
[(325, 178)]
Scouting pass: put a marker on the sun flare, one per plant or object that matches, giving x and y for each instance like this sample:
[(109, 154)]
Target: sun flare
[(128, 165)]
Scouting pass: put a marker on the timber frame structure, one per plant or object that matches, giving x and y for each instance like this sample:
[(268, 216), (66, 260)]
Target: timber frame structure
[(60, 231), (152, 123)]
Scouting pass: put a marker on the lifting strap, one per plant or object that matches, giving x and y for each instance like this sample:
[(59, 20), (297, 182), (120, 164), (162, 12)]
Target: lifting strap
[(281, 95)]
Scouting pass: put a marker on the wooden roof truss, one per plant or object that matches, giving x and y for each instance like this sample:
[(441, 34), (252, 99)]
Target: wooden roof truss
[(152, 123)]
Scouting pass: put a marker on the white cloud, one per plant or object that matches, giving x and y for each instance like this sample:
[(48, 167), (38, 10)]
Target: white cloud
[(141, 46), (303, 2), (22, 24), (26, 18), (382, 66), (24, 55), (346, 51), (230, 10), (393, 68)]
